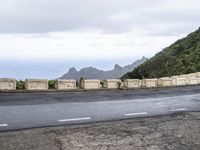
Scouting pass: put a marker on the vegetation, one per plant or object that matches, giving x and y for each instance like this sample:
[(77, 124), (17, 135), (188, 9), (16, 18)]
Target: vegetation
[(101, 82), (80, 82), (52, 84), (119, 85), (20, 85), (182, 57), (77, 83)]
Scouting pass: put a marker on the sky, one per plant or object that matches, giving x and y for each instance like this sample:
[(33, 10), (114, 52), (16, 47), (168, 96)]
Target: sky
[(43, 39)]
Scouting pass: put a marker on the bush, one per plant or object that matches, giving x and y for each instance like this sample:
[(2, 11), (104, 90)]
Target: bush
[(77, 83), (52, 84), (80, 81), (20, 85)]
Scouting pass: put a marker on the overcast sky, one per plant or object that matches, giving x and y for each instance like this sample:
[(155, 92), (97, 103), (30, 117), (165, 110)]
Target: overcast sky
[(44, 38)]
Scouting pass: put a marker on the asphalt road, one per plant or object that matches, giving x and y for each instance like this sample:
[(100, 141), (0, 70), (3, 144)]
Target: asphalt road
[(29, 110)]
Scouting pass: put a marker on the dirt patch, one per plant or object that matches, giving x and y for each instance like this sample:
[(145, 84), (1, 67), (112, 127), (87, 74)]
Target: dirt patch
[(179, 131)]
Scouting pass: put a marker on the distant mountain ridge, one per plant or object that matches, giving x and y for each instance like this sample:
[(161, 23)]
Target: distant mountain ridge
[(94, 73)]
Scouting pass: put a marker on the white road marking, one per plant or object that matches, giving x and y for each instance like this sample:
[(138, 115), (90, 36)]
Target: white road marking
[(74, 119), (180, 109), (3, 125), (135, 114)]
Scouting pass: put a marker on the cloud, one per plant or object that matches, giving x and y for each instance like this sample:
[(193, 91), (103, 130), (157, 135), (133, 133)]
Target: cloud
[(39, 16), (48, 34), (81, 45)]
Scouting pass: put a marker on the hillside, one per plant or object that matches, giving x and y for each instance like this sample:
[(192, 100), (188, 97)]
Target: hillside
[(182, 57), (93, 73)]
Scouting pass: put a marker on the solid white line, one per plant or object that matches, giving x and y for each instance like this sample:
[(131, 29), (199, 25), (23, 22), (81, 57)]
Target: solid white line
[(3, 125), (135, 114), (74, 119), (180, 109)]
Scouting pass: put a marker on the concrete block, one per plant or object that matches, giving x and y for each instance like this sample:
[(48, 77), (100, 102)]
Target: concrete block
[(150, 83), (182, 76), (179, 81), (65, 84), (36, 84), (122, 84), (90, 84), (197, 74), (165, 82), (112, 83), (178, 76), (192, 75), (7, 84), (132, 83), (193, 81)]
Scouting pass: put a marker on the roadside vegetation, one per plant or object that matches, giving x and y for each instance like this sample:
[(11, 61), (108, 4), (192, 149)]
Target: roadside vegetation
[(52, 84), (20, 85)]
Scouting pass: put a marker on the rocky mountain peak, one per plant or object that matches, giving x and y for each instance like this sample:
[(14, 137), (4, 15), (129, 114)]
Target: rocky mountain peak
[(117, 67), (72, 70), (94, 73)]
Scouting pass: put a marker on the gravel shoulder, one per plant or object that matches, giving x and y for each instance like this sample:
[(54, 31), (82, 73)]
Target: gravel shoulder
[(180, 131)]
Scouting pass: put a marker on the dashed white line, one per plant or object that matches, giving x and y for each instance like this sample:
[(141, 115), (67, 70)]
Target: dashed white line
[(180, 109), (74, 119), (136, 114), (3, 125)]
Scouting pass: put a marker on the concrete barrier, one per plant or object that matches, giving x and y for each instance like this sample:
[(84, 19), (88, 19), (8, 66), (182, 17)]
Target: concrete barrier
[(132, 83), (179, 81), (191, 75), (197, 74), (165, 82), (7, 84), (173, 77), (90, 84), (122, 85), (193, 81), (36, 84), (65, 84), (150, 83), (112, 83)]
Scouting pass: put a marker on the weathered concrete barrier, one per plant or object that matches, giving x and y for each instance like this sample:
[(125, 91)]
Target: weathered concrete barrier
[(90, 84), (132, 83), (65, 84), (192, 75), (36, 84), (197, 74), (193, 81), (7, 84), (150, 83), (112, 83), (179, 81), (165, 82), (122, 85)]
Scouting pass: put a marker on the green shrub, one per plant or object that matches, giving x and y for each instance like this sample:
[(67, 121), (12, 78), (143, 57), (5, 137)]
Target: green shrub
[(77, 83), (52, 84), (20, 85)]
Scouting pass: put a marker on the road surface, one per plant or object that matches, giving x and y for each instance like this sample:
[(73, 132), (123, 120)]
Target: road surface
[(30, 110)]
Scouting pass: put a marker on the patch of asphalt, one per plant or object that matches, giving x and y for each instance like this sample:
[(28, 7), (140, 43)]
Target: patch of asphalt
[(178, 131), (14, 99)]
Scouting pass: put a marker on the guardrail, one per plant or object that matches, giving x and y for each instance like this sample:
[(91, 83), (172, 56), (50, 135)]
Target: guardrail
[(8, 84)]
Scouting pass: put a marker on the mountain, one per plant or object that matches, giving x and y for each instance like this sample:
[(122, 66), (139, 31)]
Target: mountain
[(182, 57), (93, 73)]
